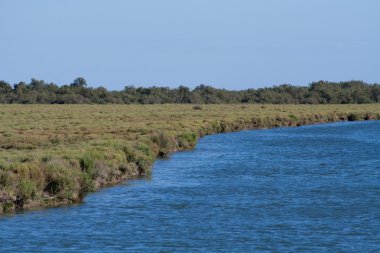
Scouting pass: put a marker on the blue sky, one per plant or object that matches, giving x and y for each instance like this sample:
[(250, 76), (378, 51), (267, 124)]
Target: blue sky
[(228, 44)]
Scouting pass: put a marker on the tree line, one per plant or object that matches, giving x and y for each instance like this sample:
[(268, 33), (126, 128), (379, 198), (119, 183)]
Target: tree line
[(321, 92)]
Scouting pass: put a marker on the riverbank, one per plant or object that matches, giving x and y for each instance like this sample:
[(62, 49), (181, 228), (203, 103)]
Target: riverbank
[(54, 155)]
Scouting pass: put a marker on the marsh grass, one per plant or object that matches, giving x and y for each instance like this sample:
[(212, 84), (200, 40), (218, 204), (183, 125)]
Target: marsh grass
[(53, 154)]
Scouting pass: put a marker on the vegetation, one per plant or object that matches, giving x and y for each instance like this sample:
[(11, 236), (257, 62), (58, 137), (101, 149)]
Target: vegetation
[(55, 154), (322, 92)]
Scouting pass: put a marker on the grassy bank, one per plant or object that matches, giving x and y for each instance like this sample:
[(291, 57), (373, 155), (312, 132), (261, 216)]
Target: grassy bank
[(54, 154)]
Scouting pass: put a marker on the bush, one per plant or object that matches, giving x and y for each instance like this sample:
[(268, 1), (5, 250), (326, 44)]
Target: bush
[(27, 189), (146, 151), (5, 179), (46, 158), (163, 143), (86, 184), (28, 171), (142, 156), (370, 116), (130, 154), (61, 180), (187, 140), (161, 139), (7, 207), (88, 164), (144, 165), (353, 117), (293, 117)]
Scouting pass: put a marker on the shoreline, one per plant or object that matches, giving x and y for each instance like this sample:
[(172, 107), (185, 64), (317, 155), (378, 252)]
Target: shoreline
[(140, 158)]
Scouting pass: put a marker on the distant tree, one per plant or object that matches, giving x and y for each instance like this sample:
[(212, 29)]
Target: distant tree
[(5, 87), (376, 93), (36, 84), (79, 81), (182, 95), (5, 92), (321, 92)]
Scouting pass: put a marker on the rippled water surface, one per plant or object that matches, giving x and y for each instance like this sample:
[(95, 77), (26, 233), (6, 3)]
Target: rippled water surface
[(306, 189)]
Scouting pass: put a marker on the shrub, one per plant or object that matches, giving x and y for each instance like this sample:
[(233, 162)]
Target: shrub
[(8, 207), (370, 116), (142, 156), (86, 184), (123, 168), (144, 165), (28, 171), (216, 127), (36, 175), (130, 154), (5, 179), (145, 150), (223, 126), (293, 117), (187, 140), (353, 117), (161, 139), (88, 164), (61, 180), (27, 189), (3, 164), (163, 143), (46, 158)]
